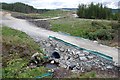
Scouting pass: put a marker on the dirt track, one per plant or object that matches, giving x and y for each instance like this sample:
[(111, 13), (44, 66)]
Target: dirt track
[(36, 32)]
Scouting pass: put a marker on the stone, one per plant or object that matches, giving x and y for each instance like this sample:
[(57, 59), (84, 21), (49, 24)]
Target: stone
[(81, 69), (71, 67), (56, 60), (83, 58), (51, 42), (86, 52), (47, 44), (62, 49), (75, 69), (78, 52), (78, 68), (68, 64), (68, 58), (109, 67), (76, 56), (32, 66), (57, 45), (50, 39), (44, 41), (63, 65), (52, 62), (56, 49), (37, 40), (68, 50), (90, 57), (65, 57), (81, 54), (71, 59), (102, 63), (73, 52)]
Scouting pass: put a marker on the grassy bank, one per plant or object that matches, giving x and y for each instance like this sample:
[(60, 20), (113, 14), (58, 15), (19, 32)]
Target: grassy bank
[(17, 48), (101, 30)]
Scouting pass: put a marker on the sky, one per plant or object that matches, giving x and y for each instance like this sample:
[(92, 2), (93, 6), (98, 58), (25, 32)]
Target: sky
[(54, 4)]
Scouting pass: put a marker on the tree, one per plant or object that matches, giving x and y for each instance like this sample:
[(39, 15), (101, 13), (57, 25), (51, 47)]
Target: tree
[(21, 7), (93, 11)]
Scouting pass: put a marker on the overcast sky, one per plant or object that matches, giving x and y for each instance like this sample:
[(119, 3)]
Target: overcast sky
[(53, 4)]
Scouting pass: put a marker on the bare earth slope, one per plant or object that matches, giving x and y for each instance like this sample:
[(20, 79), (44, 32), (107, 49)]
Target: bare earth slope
[(36, 32)]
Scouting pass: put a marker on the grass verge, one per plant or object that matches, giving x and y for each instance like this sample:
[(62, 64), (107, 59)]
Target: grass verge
[(17, 48)]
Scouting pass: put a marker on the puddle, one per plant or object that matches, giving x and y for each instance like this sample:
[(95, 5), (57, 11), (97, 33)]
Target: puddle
[(50, 66)]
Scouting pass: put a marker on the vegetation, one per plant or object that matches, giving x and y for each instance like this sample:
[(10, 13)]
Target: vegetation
[(21, 7), (17, 49), (50, 14), (96, 12), (101, 30), (86, 75)]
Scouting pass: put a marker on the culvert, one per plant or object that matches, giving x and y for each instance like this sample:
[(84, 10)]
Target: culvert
[(56, 55)]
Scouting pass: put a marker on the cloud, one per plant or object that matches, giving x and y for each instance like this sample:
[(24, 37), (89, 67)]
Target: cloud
[(111, 4), (53, 4)]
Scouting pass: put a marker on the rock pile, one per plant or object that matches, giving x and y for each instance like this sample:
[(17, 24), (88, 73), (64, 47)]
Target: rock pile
[(74, 59)]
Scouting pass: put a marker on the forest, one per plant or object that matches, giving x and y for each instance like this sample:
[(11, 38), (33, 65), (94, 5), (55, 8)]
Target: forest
[(97, 11), (21, 7)]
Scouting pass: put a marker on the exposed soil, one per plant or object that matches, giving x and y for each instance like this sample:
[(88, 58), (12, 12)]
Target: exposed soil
[(10, 51), (41, 23), (38, 23), (22, 16), (61, 73)]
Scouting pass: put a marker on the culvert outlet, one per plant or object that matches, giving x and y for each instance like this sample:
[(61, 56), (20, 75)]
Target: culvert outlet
[(56, 55)]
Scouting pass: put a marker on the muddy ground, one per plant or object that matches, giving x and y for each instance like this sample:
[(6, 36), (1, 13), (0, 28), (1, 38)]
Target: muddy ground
[(41, 23)]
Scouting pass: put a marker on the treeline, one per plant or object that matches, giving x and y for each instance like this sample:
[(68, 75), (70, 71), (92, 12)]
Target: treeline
[(97, 11), (21, 7)]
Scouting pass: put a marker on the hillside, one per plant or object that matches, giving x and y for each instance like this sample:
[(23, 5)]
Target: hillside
[(21, 7), (115, 10)]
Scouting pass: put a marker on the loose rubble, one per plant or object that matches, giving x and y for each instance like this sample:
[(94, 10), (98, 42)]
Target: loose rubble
[(74, 59)]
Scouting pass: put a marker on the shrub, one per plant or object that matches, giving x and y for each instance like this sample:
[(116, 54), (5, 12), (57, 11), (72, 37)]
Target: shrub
[(98, 25), (104, 34), (115, 25)]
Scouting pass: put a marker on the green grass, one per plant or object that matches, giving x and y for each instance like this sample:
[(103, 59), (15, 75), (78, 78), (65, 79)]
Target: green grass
[(50, 14), (15, 37), (17, 69), (15, 65), (75, 27), (100, 30), (91, 74)]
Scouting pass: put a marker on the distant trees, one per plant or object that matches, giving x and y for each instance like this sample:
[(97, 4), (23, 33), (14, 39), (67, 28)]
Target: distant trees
[(20, 7), (97, 11)]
